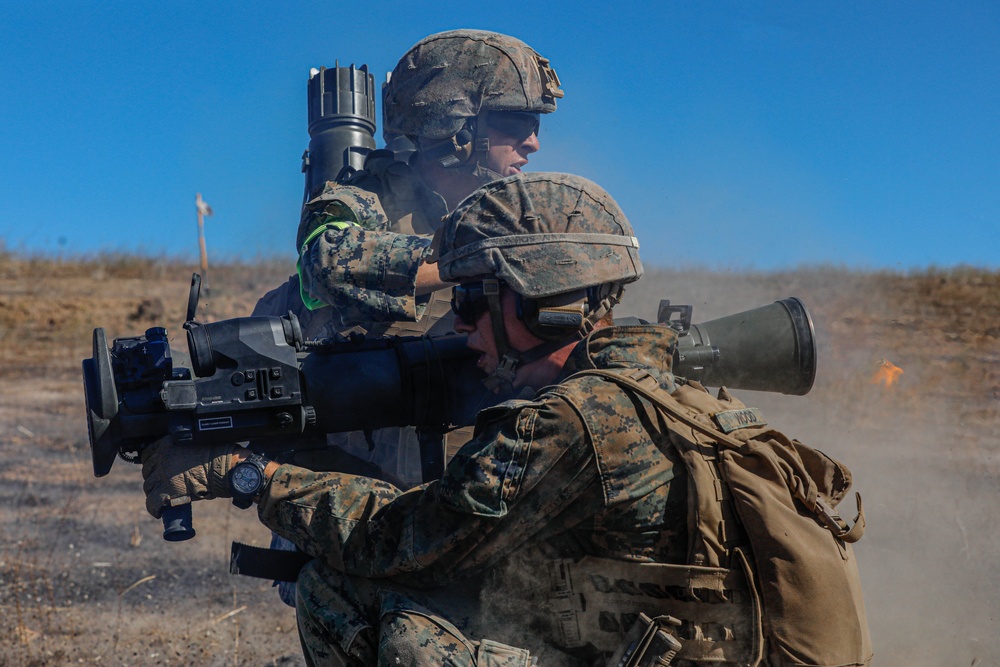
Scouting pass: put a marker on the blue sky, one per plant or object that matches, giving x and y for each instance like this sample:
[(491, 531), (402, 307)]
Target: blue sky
[(734, 134)]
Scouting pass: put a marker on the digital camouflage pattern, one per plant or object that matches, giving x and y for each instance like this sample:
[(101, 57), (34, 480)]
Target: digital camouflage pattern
[(366, 240), (384, 194), (369, 622), (447, 78), (542, 234), (536, 474), (365, 275)]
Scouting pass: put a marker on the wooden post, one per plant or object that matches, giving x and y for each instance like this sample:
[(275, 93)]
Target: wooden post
[(203, 210)]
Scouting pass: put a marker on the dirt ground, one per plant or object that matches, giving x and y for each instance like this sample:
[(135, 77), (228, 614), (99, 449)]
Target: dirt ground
[(86, 579)]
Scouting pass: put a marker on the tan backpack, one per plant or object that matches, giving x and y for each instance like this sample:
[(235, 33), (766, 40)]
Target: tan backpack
[(784, 493)]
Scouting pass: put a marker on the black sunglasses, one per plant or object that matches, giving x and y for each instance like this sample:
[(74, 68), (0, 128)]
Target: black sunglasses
[(470, 300), (517, 124)]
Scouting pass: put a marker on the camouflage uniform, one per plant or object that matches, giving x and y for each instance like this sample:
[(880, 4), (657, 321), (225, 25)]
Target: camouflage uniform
[(362, 241), (537, 477), (440, 95), (377, 228)]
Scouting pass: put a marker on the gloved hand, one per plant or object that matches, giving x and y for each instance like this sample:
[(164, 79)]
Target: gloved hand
[(179, 475)]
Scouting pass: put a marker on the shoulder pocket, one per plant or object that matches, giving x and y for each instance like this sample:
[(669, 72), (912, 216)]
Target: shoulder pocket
[(487, 472)]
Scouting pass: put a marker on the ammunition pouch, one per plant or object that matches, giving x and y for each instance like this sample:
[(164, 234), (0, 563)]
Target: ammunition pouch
[(648, 644), (595, 601)]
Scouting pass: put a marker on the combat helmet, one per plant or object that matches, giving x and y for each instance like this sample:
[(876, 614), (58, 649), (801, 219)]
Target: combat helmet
[(558, 241), (442, 89)]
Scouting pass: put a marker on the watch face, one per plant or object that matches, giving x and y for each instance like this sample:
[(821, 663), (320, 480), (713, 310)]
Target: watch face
[(246, 479)]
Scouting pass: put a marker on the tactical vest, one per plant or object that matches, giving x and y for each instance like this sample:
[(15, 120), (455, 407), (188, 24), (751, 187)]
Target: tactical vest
[(771, 577)]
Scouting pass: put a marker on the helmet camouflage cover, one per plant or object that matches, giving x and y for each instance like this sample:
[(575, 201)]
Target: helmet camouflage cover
[(542, 234), (451, 76)]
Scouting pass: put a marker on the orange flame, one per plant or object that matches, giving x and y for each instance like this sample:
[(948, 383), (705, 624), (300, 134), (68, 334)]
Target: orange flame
[(887, 373)]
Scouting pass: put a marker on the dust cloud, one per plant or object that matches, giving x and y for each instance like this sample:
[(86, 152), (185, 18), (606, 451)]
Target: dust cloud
[(925, 453)]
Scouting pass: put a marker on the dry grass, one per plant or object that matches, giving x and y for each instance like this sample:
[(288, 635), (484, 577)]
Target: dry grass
[(84, 577), (49, 307)]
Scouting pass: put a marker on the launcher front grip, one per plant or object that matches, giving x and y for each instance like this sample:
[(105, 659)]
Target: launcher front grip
[(177, 523)]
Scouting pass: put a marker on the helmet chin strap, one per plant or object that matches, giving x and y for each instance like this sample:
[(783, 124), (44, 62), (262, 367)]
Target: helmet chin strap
[(481, 151), (501, 380)]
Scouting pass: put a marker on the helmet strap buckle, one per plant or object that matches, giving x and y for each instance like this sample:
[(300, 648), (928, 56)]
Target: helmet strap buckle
[(501, 380)]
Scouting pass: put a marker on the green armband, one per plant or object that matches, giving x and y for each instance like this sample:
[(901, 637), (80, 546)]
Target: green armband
[(310, 302)]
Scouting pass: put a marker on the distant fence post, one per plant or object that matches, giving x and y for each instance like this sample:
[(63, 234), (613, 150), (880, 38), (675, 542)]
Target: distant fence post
[(203, 210)]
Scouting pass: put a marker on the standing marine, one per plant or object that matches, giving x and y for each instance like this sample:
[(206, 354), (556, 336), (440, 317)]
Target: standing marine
[(470, 101)]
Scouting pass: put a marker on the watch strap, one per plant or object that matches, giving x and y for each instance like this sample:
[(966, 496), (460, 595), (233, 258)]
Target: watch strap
[(245, 500)]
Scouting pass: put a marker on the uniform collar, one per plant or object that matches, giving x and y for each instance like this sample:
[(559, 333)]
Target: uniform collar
[(647, 346)]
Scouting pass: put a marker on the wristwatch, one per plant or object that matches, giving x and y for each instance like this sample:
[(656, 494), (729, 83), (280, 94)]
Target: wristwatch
[(246, 480)]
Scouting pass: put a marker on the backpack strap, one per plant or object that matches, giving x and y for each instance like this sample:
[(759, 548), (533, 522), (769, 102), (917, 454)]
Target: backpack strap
[(644, 384)]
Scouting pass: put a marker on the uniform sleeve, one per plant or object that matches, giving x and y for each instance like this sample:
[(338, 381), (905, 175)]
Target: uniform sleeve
[(529, 470), (367, 274)]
